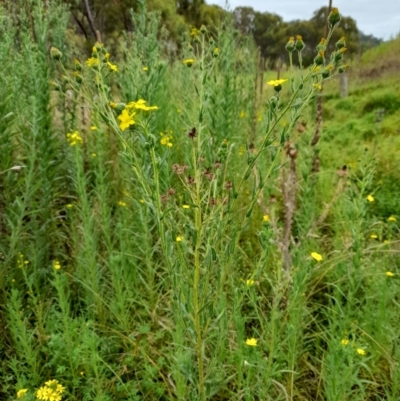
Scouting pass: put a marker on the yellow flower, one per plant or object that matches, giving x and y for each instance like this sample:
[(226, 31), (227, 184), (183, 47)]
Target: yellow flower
[(360, 351), (317, 86), (316, 256), (56, 265), (112, 67), (186, 206), (373, 236), (21, 393), (189, 62), (392, 218), (370, 198), (74, 138), (276, 82), (265, 218), (113, 105), (126, 120), (140, 105), (93, 128), (389, 274), (94, 155), (92, 62), (166, 140), (249, 282), (145, 68), (179, 239), (70, 206), (252, 342), (242, 114), (195, 32), (344, 341), (122, 203)]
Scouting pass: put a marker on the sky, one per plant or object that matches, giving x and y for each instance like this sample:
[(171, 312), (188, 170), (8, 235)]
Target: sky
[(379, 18)]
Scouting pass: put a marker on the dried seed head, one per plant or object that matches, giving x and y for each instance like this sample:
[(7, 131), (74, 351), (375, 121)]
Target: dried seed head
[(171, 191), (190, 180), (228, 185), (192, 133)]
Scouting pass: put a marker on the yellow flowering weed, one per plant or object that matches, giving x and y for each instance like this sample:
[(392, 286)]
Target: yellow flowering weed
[(251, 342), (316, 256)]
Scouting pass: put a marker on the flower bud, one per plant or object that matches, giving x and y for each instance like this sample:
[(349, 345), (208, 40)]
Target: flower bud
[(78, 77), (299, 43), (338, 55), (56, 86), (342, 68), (321, 45), (55, 53), (216, 52), (78, 65), (203, 29), (320, 58), (334, 17), (120, 106), (340, 43), (290, 45)]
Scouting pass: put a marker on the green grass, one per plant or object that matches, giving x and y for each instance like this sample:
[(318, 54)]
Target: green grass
[(134, 270)]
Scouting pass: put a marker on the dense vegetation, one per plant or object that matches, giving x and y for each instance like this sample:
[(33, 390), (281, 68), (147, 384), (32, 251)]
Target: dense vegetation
[(177, 225)]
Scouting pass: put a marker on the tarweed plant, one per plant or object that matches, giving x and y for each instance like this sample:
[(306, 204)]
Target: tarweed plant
[(165, 233)]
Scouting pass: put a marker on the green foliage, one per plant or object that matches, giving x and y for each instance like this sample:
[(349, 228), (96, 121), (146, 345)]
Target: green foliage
[(195, 253)]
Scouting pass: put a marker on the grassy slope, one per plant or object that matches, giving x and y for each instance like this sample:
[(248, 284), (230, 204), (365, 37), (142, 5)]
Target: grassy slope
[(351, 127)]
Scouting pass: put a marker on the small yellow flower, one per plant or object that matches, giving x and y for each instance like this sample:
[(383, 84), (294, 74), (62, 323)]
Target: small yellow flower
[(344, 341), (112, 67), (392, 218), (186, 206), (145, 68), (373, 236), (189, 62), (265, 218), (141, 105), (389, 274), (252, 342), (249, 282), (242, 114), (317, 86), (74, 138), (370, 198), (360, 351), (179, 239), (316, 256), (82, 373), (126, 120), (56, 265), (276, 82), (195, 32), (94, 155), (113, 105), (70, 206), (122, 203), (93, 128), (21, 393), (92, 62)]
